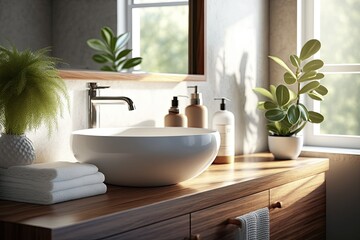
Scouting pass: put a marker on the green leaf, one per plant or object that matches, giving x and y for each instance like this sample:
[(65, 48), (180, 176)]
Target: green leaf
[(269, 105), (123, 53), (132, 62), (298, 128), (304, 114), (264, 92), (282, 64), (97, 45), (272, 128), (295, 61), (107, 34), (293, 114), (289, 79), (310, 48), (282, 95), (322, 90), (307, 75), (315, 117), (275, 115), (313, 65), (316, 96), (260, 105), (308, 87), (100, 58), (122, 40), (318, 76)]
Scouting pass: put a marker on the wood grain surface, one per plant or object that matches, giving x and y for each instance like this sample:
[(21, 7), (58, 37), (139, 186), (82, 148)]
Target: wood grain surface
[(123, 208), (302, 215), (212, 224), (142, 77)]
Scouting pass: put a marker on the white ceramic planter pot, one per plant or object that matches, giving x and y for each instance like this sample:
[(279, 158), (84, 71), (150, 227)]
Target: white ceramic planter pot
[(15, 150), (285, 147)]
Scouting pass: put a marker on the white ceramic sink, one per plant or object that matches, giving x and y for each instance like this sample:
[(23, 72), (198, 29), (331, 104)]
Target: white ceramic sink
[(146, 157)]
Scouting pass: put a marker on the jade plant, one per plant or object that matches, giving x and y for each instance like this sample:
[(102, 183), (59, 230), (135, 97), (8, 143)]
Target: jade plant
[(285, 114), (112, 52), (31, 90)]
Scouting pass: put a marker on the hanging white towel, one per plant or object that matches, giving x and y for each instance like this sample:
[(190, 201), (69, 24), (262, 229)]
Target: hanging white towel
[(52, 171), (50, 186), (262, 223), (38, 197), (248, 227)]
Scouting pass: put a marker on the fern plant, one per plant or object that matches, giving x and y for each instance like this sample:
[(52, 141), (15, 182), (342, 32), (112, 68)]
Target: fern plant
[(285, 114), (31, 91), (112, 52)]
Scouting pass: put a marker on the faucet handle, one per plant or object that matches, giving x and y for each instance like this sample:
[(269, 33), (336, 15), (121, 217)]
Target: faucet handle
[(94, 85)]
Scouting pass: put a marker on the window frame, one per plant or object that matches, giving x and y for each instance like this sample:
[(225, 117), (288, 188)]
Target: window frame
[(308, 20), (129, 15)]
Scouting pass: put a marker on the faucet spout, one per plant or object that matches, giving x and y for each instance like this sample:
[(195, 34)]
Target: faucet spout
[(95, 100), (113, 100)]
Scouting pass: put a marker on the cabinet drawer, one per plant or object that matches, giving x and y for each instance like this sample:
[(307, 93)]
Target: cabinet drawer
[(302, 215), (177, 228), (211, 223)]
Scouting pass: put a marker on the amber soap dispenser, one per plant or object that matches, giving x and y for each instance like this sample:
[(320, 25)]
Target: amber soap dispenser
[(174, 118), (196, 113)]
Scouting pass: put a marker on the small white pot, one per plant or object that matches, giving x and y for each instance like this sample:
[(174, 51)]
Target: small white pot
[(285, 147), (15, 150)]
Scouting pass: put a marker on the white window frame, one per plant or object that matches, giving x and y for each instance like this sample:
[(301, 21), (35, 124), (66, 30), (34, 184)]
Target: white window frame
[(308, 21), (132, 5)]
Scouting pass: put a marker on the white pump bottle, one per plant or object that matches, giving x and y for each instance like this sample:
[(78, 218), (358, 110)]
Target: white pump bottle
[(224, 122)]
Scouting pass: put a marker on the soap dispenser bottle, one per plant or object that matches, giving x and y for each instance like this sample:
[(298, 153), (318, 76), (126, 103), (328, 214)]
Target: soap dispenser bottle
[(224, 122), (196, 113), (174, 118)]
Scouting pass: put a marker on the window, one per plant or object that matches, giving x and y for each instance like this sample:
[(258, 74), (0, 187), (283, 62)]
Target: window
[(336, 24), (160, 33)]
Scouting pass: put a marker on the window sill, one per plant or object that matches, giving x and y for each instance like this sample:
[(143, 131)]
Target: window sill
[(328, 150)]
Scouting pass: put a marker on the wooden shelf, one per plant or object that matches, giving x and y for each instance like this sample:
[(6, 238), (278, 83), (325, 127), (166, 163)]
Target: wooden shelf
[(141, 77), (124, 208)]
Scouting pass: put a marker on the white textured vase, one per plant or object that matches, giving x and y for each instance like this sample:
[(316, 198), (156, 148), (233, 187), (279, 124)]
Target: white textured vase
[(285, 147), (15, 150)]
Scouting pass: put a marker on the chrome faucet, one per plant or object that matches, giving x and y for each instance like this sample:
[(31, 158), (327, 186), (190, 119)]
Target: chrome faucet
[(95, 100)]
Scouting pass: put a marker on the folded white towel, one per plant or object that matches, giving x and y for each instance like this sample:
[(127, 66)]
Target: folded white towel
[(262, 224), (52, 171), (248, 227), (33, 196), (50, 186)]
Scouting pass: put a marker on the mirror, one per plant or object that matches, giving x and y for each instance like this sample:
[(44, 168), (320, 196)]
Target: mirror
[(66, 25)]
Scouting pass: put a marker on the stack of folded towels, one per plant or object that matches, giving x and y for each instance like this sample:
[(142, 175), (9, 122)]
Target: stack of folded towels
[(48, 183)]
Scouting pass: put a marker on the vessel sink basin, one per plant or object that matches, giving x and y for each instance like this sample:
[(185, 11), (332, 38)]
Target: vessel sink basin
[(146, 156)]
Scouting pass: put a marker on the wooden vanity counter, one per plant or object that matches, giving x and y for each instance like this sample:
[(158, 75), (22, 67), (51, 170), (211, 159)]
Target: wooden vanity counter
[(123, 208)]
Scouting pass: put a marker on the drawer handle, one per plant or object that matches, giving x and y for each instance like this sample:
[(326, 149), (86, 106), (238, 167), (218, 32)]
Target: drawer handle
[(276, 205), (238, 223)]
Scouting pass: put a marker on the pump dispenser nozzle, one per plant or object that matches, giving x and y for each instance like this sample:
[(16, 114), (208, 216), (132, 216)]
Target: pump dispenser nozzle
[(195, 96), (222, 104)]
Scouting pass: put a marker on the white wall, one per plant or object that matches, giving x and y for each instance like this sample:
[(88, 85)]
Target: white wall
[(237, 46)]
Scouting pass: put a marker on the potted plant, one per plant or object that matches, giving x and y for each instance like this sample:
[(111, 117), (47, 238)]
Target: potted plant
[(112, 51), (286, 116), (31, 94)]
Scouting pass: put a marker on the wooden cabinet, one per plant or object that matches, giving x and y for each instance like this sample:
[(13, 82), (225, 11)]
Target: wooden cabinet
[(302, 215), (211, 223), (172, 229), (201, 206)]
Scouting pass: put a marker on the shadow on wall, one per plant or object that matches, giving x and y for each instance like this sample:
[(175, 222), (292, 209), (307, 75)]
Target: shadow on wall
[(249, 128), (249, 121)]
